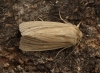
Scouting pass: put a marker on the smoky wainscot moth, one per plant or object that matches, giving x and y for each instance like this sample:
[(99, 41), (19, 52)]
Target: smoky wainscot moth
[(46, 35)]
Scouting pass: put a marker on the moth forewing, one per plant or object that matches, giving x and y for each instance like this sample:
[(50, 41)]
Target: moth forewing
[(33, 46), (43, 35), (26, 26)]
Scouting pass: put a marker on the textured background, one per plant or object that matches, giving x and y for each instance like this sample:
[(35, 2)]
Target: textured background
[(84, 59)]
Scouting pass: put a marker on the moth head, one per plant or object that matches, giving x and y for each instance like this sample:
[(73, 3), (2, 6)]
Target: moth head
[(79, 35)]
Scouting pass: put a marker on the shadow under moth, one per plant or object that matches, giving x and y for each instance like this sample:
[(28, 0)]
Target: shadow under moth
[(46, 35)]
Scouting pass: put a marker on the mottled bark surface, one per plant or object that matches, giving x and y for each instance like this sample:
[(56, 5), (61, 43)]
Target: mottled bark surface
[(84, 59)]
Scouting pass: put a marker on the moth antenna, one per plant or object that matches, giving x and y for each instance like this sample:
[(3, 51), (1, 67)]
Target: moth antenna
[(62, 18), (74, 48), (65, 48)]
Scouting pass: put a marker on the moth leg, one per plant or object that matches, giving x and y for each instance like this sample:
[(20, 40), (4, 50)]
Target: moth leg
[(59, 52), (40, 18), (62, 18)]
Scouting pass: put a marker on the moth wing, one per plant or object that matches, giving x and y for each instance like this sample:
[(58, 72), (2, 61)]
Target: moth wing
[(36, 45), (23, 27)]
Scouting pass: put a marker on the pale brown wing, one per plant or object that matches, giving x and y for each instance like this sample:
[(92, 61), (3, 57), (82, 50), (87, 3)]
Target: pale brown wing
[(33, 44)]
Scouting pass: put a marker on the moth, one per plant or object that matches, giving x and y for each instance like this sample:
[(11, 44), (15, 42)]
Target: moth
[(46, 35)]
